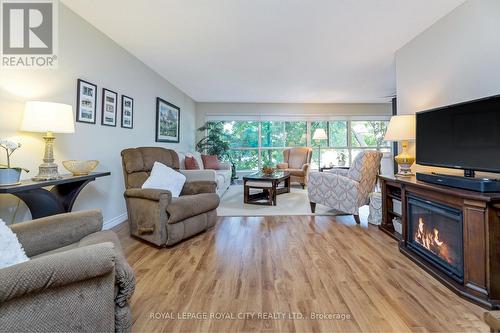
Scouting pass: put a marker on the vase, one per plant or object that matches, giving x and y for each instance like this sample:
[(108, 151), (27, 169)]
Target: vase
[(9, 176)]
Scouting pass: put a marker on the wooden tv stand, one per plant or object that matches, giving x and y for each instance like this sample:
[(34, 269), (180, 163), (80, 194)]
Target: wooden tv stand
[(481, 234)]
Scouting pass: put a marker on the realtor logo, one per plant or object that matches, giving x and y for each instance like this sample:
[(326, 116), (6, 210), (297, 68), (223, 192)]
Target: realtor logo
[(29, 38)]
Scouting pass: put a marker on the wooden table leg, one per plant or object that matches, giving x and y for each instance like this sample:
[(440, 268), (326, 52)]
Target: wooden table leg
[(275, 184), (246, 193)]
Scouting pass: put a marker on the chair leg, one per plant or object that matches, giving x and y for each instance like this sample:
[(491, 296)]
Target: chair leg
[(313, 206), (356, 218)]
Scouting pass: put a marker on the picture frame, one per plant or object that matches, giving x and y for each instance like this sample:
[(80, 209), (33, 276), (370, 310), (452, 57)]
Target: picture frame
[(127, 119), (109, 107), (168, 121), (86, 102)]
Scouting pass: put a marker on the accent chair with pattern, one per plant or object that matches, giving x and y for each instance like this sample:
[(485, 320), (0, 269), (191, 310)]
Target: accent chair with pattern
[(346, 190), (296, 161)]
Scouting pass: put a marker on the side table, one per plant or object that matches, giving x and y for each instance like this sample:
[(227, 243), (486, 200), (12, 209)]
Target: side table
[(59, 199)]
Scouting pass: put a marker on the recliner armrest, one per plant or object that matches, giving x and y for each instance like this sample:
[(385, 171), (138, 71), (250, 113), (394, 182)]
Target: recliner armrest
[(148, 193), (57, 270), (52, 232), (199, 186)]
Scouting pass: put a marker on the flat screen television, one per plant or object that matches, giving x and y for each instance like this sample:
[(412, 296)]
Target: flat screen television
[(461, 136)]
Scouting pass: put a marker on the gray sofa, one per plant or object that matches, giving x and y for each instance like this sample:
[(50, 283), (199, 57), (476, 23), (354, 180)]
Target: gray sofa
[(221, 177), (77, 279), (154, 215)]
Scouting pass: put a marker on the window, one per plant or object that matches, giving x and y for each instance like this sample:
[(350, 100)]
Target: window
[(296, 133), (314, 126), (338, 133), (247, 159), (273, 134), (243, 133), (368, 134), (258, 143), (271, 157)]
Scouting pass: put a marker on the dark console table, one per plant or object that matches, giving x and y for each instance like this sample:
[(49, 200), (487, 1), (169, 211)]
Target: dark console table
[(59, 199)]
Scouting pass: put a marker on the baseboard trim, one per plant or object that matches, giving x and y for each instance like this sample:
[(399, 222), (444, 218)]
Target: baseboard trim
[(114, 221)]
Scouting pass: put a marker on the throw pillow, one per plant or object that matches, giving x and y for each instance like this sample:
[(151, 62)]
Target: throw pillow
[(10, 248), (164, 178), (210, 162), (190, 163)]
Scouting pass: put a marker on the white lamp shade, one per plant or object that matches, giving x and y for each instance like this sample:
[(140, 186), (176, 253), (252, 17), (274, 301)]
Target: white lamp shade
[(401, 128), (320, 134), (48, 117)]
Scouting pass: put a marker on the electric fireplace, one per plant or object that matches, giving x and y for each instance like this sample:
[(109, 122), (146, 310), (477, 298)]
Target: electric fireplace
[(452, 234), (435, 232)]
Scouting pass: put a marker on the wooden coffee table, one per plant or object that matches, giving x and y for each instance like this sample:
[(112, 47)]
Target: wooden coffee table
[(270, 185)]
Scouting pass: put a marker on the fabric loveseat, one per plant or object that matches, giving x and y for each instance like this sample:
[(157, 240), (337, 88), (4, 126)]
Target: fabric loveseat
[(222, 177), (154, 215), (77, 279)]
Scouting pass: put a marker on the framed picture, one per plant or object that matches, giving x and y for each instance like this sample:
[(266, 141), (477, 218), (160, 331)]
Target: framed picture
[(109, 104), (167, 121), (86, 101), (127, 112)]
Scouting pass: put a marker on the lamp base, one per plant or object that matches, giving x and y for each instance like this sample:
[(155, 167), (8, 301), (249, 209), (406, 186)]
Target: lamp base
[(47, 171), (405, 161)]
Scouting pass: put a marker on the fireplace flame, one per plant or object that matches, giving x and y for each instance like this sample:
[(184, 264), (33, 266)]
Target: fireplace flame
[(431, 241)]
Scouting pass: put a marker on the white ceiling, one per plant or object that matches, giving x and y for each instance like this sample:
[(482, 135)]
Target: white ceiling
[(268, 50)]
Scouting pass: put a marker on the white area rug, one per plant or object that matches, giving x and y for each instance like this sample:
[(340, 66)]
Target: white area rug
[(294, 203)]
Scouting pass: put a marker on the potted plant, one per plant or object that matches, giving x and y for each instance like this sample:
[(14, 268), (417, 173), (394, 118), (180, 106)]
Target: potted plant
[(341, 158), (216, 142), (10, 175)]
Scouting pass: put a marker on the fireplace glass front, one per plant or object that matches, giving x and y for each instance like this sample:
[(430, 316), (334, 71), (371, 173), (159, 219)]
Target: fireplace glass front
[(435, 232)]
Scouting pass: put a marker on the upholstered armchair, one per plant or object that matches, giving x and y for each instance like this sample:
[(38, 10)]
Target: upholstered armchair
[(154, 215), (346, 190), (296, 161), (76, 279)]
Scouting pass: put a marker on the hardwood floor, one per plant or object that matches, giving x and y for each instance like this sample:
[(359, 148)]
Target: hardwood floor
[(293, 265)]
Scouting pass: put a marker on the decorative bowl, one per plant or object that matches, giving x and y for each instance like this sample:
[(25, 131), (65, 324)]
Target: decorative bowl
[(268, 170), (80, 168)]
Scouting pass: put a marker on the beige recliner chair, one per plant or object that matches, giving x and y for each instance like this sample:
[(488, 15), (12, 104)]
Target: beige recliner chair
[(77, 279), (296, 161), (153, 215)]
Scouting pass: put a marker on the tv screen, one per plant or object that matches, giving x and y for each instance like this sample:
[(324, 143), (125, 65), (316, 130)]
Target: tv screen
[(462, 136)]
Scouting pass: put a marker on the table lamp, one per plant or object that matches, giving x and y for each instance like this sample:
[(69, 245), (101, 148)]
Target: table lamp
[(319, 134), (48, 118), (402, 128)]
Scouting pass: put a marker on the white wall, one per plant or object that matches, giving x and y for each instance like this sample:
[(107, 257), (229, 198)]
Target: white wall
[(456, 59), (86, 53)]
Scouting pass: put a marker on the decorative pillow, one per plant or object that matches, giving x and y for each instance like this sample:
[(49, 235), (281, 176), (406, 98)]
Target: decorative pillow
[(190, 163), (165, 178), (210, 162), (11, 250)]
